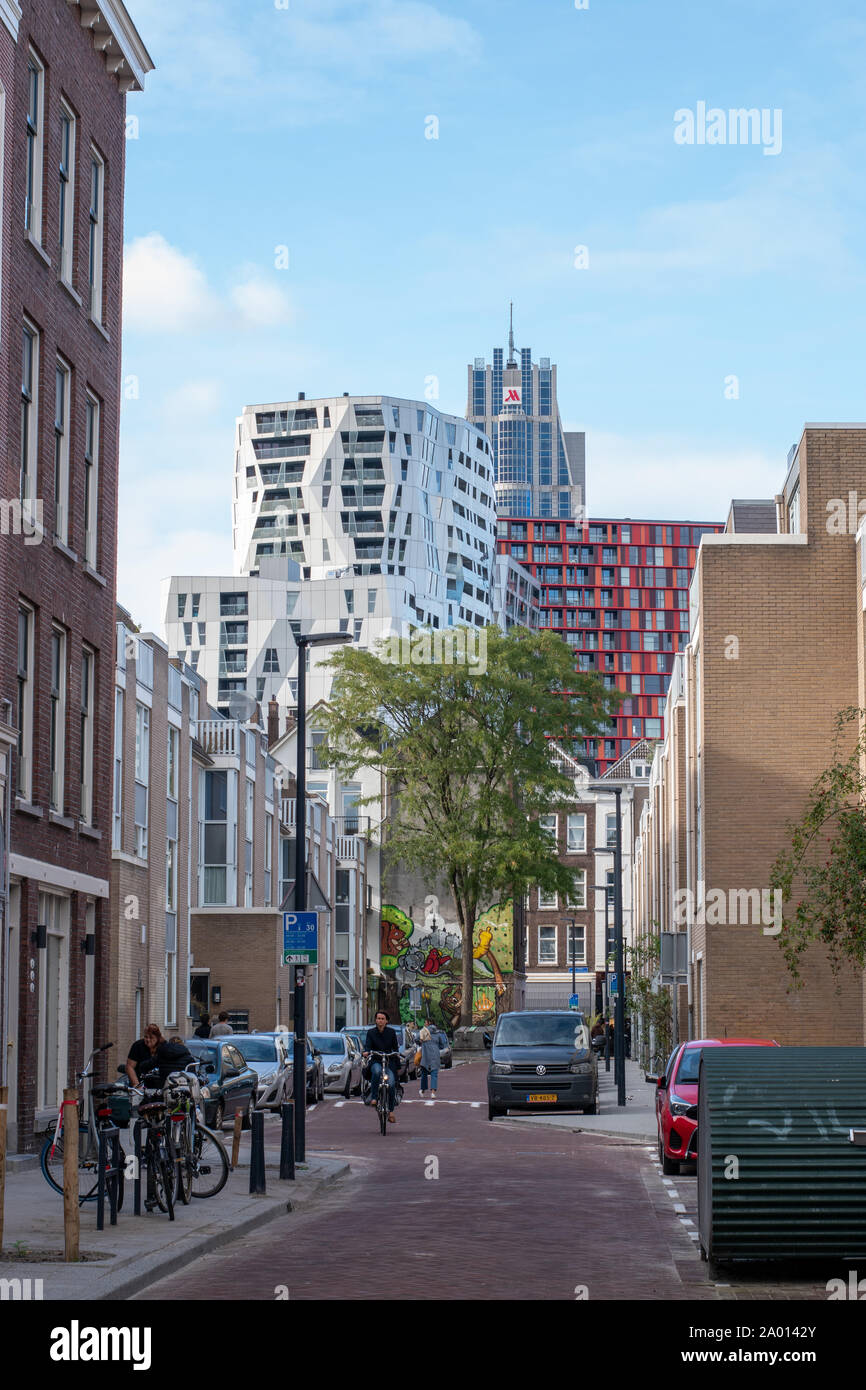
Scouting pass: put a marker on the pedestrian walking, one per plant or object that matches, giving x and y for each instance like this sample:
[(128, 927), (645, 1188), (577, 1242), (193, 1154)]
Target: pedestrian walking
[(221, 1026), (429, 1062), (203, 1029)]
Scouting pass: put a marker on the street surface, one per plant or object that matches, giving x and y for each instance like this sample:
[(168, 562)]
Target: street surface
[(457, 1207)]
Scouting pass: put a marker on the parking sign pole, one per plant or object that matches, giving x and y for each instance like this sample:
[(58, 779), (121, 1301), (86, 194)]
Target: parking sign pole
[(299, 1084)]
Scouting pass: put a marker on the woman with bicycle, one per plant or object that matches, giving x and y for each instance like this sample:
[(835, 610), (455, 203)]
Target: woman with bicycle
[(383, 1039)]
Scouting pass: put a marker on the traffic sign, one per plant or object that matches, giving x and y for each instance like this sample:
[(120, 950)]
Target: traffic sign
[(300, 938), (574, 1001), (614, 984)]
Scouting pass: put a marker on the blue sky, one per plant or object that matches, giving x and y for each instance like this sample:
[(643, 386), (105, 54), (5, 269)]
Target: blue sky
[(302, 126)]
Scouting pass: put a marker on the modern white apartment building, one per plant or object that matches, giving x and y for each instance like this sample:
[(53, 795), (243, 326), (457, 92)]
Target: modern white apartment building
[(353, 514)]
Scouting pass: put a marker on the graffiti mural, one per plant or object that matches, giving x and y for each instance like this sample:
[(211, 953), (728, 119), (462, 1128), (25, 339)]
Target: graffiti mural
[(428, 954)]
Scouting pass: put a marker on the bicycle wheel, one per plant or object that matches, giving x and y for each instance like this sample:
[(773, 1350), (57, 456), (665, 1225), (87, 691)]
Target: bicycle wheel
[(184, 1164), (51, 1163), (382, 1106), (160, 1173), (210, 1165)]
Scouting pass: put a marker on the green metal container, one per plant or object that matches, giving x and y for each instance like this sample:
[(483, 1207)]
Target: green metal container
[(778, 1175)]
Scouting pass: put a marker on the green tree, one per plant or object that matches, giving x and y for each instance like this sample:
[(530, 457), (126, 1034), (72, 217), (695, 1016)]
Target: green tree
[(466, 752), (650, 1003), (827, 858)]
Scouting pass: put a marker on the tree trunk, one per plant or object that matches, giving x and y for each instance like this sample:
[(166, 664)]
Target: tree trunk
[(468, 963)]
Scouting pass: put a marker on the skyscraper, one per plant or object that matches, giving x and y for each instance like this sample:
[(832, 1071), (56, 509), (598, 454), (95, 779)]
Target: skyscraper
[(539, 468)]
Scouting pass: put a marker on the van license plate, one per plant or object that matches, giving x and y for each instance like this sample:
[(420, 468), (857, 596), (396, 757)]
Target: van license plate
[(537, 1100)]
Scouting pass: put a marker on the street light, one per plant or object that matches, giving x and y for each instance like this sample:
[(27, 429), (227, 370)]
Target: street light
[(302, 642)]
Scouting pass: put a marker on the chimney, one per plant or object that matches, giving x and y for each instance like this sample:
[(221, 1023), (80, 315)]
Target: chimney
[(273, 721), (302, 395)]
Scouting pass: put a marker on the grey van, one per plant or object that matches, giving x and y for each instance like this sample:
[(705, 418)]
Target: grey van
[(541, 1059)]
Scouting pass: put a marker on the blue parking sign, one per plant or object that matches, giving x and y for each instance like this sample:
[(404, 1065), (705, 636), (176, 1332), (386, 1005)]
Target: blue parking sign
[(300, 938)]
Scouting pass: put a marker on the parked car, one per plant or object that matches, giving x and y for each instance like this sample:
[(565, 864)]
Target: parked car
[(677, 1099), (315, 1088), (231, 1085), (445, 1055), (342, 1062), (270, 1059), (541, 1060)]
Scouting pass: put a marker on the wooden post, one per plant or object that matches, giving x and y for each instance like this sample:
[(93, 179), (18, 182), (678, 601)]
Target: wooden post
[(71, 1214), (4, 1111), (236, 1138)]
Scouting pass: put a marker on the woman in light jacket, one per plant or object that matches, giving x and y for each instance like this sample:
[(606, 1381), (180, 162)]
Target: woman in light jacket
[(429, 1061)]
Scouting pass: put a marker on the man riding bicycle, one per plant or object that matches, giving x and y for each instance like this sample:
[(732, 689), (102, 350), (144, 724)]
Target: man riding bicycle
[(381, 1038)]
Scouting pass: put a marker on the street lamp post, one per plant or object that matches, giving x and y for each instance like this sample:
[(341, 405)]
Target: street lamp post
[(303, 641)]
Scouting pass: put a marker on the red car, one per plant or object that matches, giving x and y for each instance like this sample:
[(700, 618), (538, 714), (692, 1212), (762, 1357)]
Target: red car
[(677, 1099)]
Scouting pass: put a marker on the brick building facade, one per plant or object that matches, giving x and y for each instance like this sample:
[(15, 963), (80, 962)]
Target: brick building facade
[(775, 652), (63, 109)]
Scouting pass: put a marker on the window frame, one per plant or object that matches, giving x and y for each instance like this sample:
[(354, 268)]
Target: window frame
[(96, 237), (24, 713), (58, 684), (35, 128), (88, 679), (66, 200), (29, 441), (548, 927), (575, 816), (62, 424), (92, 431)]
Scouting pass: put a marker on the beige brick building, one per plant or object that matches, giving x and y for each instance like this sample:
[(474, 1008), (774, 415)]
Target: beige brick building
[(775, 651)]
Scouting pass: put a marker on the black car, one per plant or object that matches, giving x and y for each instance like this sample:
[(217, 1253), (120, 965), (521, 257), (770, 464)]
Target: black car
[(231, 1086)]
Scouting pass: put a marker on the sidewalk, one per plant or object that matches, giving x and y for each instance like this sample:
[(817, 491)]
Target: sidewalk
[(635, 1121), (126, 1258)]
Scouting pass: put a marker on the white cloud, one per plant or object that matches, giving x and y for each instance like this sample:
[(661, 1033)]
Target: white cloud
[(193, 400), (260, 303), (666, 476), (163, 289)]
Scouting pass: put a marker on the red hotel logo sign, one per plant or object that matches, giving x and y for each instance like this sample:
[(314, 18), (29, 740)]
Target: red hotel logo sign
[(511, 396)]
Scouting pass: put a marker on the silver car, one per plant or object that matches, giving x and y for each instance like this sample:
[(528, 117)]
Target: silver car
[(267, 1055), (342, 1062)]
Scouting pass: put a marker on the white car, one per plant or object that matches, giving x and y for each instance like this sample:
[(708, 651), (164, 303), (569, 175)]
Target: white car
[(342, 1062), (268, 1056)]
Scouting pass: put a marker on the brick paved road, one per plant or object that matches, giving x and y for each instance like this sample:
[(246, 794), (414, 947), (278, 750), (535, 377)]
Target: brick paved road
[(515, 1211)]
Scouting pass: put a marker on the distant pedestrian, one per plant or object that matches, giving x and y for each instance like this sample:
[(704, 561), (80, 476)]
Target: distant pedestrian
[(221, 1026), (429, 1061), (203, 1029)]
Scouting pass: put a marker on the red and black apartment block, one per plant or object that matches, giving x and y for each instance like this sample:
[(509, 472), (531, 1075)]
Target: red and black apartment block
[(65, 70)]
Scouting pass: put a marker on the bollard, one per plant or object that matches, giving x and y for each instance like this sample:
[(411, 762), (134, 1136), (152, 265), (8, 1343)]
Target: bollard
[(257, 1153), (236, 1138), (71, 1214), (287, 1141), (106, 1177)]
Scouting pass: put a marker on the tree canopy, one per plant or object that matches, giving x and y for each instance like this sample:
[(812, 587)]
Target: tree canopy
[(466, 749)]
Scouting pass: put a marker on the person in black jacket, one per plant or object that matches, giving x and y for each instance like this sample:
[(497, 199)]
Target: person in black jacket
[(153, 1052), (203, 1029), (383, 1039)]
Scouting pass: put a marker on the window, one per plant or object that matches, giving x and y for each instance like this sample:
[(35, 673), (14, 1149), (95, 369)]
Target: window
[(54, 1001), (91, 484), (610, 830), (371, 600), (25, 702), (171, 779), (61, 450), (57, 719), (215, 837), (66, 218), (577, 897), (35, 102), (142, 777), (269, 842), (547, 824), (547, 945), (29, 412), (576, 834), (97, 181), (547, 902), (117, 791), (170, 875), (317, 739), (272, 662), (575, 944), (88, 661)]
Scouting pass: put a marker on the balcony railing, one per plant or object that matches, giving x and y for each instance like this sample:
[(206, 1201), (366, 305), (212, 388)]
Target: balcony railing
[(352, 847), (219, 737)]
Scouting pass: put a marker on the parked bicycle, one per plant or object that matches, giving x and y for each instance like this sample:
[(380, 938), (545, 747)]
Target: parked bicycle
[(104, 1107), (210, 1162), (158, 1165)]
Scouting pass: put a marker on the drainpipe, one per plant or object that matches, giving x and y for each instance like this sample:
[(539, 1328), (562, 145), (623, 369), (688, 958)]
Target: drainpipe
[(688, 684)]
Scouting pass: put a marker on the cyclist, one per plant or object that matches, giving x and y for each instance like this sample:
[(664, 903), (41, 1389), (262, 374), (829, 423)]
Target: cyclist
[(381, 1038)]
